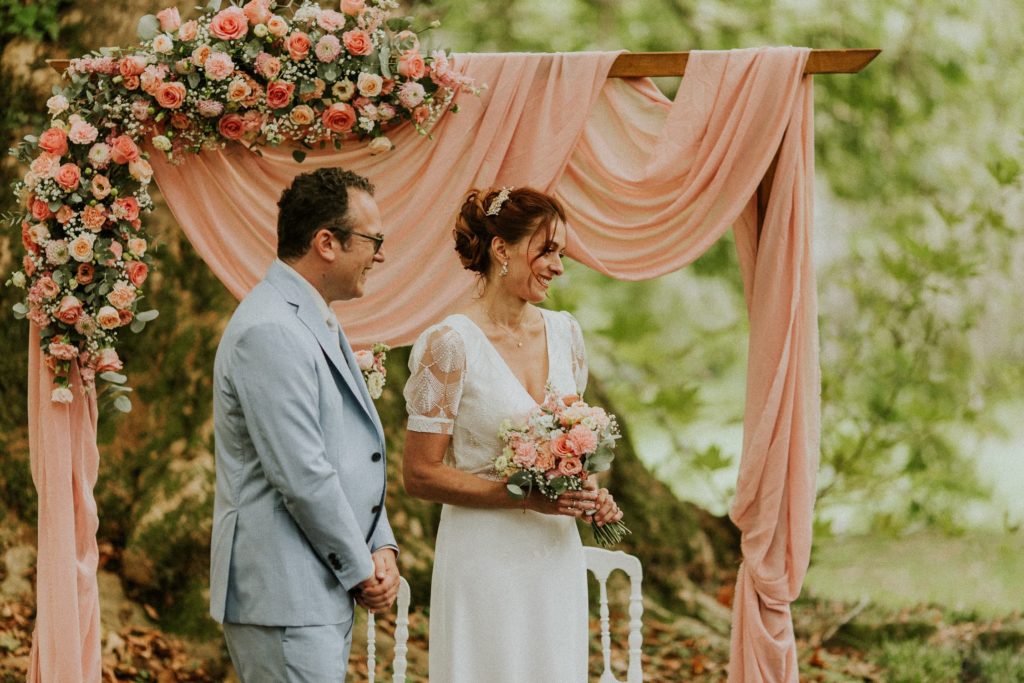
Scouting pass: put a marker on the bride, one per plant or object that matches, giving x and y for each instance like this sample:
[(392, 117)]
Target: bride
[(509, 589)]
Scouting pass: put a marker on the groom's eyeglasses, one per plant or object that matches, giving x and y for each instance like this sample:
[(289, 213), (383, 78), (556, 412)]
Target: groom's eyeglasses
[(378, 239)]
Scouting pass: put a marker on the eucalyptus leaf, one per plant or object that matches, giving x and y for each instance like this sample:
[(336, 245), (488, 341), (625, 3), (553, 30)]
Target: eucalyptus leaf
[(59, 276), (20, 310), (113, 377), (213, 6), (520, 479), (385, 58), (137, 325), (515, 491), (147, 316), (193, 80), (148, 27), (123, 403)]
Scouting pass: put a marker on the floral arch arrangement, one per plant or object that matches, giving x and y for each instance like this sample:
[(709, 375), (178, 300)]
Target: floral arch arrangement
[(308, 76)]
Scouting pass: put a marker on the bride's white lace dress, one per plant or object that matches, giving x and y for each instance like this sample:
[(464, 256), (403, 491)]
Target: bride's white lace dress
[(509, 593)]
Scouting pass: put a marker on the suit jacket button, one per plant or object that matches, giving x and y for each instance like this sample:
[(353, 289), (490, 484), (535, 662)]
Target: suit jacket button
[(375, 457), (335, 562), (375, 509)]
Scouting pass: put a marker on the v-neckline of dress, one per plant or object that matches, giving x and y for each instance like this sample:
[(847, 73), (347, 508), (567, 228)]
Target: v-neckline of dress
[(504, 363)]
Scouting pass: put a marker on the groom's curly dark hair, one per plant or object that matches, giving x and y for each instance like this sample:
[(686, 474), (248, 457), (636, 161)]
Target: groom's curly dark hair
[(317, 199)]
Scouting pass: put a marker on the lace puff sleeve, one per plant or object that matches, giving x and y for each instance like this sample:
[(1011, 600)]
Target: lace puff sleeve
[(434, 389), (579, 354)]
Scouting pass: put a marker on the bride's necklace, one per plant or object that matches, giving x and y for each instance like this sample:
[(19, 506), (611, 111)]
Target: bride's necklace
[(514, 336)]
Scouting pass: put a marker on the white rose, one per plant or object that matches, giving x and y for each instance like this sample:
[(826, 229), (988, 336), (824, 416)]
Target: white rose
[(18, 280), (57, 104), (375, 385), (380, 145), (260, 30), (162, 143), (62, 395), (141, 171)]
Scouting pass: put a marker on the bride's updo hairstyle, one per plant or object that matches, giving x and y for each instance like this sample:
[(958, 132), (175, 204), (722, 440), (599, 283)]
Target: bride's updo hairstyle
[(485, 215)]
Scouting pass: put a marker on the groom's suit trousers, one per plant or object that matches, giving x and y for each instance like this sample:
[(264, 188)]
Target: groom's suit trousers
[(301, 654)]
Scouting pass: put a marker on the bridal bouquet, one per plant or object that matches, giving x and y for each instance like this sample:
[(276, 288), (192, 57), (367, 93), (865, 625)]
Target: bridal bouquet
[(555, 448)]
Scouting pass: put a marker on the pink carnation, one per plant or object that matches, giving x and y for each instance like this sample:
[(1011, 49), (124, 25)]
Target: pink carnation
[(62, 350), (329, 20), (81, 131), (582, 440), (219, 66), (328, 48)]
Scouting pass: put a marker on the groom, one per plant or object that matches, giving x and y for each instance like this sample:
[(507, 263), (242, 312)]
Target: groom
[(299, 528)]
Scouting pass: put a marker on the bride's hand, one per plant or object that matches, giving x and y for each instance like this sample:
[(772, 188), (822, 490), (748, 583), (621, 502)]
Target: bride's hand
[(570, 503), (606, 510)]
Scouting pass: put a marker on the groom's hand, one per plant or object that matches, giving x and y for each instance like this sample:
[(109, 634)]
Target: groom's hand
[(378, 592)]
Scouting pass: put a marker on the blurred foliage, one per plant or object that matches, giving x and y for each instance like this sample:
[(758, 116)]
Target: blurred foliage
[(32, 19)]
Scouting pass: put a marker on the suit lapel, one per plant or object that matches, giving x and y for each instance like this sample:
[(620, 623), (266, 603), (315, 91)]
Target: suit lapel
[(364, 393)]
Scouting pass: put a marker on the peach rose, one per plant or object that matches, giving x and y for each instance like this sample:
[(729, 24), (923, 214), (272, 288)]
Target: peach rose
[(68, 176), (108, 318), (219, 66), (59, 349), (570, 466), (163, 44), (339, 117), (54, 141), (411, 65), (298, 45), (279, 94), (150, 82), (65, 214), (107, 360), (369, 85), (560, 446), (170, 19), (229, 24), (141, 170), (238, 90), (123, 150), (201, 54), (277, 26), (172, 95), (81, 247), (126, 209), (85, 273), (122, 296), (39, 232), (137, 247), (132, 65), (353, 8), (189, 30), (357, 42), (545, 459), (257, 11), (302, 115), (131, 82), (364, 359), (28, 265), (137, 272), (40, 210), (179, 120), (100, 186), (379, 145), (69, 310), (231, 126)]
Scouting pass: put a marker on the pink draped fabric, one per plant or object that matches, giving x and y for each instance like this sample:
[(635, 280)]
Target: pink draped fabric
[(65, 463), (649, 185)]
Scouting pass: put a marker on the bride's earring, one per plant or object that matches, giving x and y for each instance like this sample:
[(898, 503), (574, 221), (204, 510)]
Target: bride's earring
[(504, 268)]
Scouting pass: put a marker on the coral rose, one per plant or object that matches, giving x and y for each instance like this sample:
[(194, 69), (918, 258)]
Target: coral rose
[(126, 209), (47, 287), (411, 65), (65, 214), (279, 94), (69, 310), (421, 113), (137, 272), (339, 117), (179, 120), (229, 24), (123, 150), (170, 19), (570, 466), (298, 45), (257, 11), (231, 126), (108, 318), (560, 446), (172, 95), (353, 8), (357, 42), (68, 176), (132, 65), (40, 210), (54, 141)]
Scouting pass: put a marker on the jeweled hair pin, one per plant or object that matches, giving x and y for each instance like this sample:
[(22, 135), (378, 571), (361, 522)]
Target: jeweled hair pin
[(495, 208)]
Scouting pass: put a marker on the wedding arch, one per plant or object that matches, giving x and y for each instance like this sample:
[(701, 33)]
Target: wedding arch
[(649, 185)]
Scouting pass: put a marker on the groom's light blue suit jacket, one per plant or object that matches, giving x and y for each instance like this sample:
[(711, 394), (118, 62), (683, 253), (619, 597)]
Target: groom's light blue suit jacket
[(300, 464)]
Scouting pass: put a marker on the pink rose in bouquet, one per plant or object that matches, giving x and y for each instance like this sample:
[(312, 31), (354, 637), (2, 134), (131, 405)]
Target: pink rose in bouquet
[(229, 24)]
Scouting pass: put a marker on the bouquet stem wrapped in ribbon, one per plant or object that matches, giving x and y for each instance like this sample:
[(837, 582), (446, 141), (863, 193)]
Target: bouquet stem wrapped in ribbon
[(555, 449)]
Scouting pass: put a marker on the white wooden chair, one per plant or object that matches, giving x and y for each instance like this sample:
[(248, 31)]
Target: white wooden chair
[(401, 637), (601, 563)]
